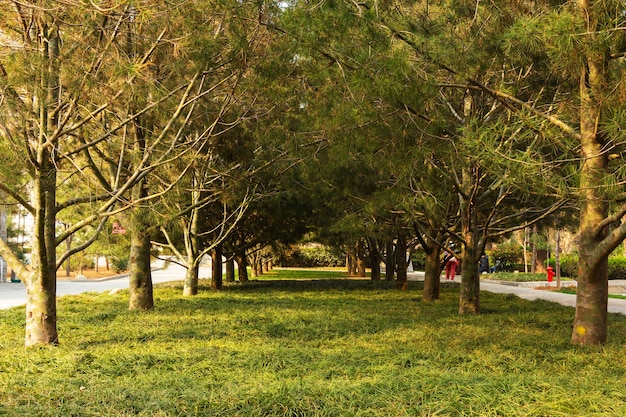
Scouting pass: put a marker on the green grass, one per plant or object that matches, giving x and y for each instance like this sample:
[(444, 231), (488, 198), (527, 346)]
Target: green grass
[(310, 348), (573, 291), (518, 277)]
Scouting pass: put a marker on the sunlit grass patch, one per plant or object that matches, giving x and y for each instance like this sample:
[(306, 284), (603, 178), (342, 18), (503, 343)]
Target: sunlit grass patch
[(316, 347)]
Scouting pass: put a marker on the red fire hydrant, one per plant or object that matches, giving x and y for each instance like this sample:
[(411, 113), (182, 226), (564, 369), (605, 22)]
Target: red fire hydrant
[(550, 273)]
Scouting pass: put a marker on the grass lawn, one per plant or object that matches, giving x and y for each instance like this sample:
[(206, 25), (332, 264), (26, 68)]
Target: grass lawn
[(327, 347), (519, 277), (572, 291)]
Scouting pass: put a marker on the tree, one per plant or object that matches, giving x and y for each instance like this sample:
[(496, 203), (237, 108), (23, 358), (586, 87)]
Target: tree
[(66, 81)]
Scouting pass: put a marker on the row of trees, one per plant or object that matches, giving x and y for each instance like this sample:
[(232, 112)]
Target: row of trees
[(222, 127)]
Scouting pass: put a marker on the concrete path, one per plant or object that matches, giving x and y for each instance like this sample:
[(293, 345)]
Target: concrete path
[(14, 294), (528, 292)]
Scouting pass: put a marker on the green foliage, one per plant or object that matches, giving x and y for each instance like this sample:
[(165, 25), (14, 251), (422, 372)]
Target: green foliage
[(310, 348), (569, 266), (617, 267), (515, 277), (119, 263), (309, 257), (509, 254), (418, 258)]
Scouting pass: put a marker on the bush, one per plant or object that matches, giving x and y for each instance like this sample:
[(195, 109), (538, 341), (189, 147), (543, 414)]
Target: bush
[(569, 266), (509, 254), (311, 257), (119, 264), (418, 258), (617, 267)]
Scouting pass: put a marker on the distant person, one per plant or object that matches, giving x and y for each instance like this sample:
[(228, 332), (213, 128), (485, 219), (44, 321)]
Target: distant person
[(451, 264), (483, 264), (497, 266)]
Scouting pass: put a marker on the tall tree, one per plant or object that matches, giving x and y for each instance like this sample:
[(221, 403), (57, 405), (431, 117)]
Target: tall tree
[(66, 83)]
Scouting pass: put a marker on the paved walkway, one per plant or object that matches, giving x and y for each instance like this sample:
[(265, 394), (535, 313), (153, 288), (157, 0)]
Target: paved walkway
[(14, 294), (527, 291)]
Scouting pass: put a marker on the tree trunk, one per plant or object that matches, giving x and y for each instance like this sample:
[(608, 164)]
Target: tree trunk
[(401, 264), (533, 245), (390, 263), (469, 297), (374, 259), (41, 308), (590, 321), (432, 274), (141, 296), (469, 300), (190, 286), (360, 259), (230, 270), (242, 266), (216, 267), (351, 261)]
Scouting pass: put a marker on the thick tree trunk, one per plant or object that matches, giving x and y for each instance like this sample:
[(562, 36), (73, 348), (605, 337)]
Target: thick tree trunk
[(360, 259), (41, 308), (432, 274), (190, 286), (351, 261), (469, 299), (230, 270), (242, 267), (401, 264), (216, 267), (374, 259), (590, 321), (141, 296)]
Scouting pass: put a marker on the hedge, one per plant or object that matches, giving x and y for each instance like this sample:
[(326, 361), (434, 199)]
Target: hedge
[(569, 266), (311, 258)]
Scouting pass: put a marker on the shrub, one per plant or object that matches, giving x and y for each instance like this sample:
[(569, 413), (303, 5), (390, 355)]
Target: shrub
[(418, 258), (569, 266), (617, 267), (119, 264), (310, 257), (510, 256)]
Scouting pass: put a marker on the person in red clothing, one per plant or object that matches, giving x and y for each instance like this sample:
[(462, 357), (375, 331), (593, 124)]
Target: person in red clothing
[(451, 265)]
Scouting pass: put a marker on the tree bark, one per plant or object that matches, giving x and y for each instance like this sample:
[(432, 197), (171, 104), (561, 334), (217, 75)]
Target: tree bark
[(390, 263), (216, 267), (360, 259), (401, 264), (533, 257), (41, 308), (590, 320), (432, 274), (242, 266), (141, 293), (190, 287), (469, 297), (230, 270)]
